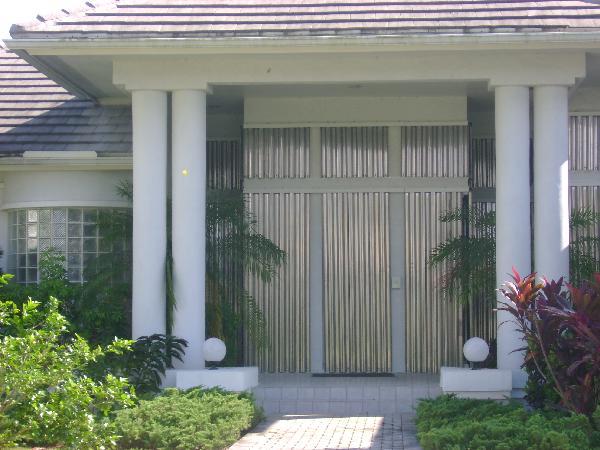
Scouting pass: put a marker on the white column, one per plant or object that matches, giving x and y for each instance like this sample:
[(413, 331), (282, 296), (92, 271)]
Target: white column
[(189, 214), (513, 224), (149, 113), (551, 181)]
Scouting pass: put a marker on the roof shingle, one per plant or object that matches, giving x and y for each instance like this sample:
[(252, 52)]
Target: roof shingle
[(218, 18), (37, 114)]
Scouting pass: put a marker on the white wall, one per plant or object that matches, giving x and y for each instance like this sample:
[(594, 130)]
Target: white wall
[(62, 188), (339, 111)]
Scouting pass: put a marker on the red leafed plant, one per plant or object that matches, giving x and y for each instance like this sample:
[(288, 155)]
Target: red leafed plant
[(561, 327)]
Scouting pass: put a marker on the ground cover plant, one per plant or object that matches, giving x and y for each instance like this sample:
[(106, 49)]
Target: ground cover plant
[(58, 390), (195, 419), (450, 423)]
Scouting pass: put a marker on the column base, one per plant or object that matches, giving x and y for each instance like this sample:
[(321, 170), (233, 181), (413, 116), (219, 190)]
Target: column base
[(495, 384), (236, 379)]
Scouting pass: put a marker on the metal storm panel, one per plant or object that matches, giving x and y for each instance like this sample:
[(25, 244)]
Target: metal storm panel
[(433, 324), (276, 152), (354, 152), (483, 163), (224, 165), (584, 143), (356, 282), (283, 218), (435, 151)]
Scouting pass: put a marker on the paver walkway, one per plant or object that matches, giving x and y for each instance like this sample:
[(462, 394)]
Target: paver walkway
[(315, 432)]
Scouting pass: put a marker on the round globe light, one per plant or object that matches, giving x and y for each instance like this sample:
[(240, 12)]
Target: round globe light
[(476, 350), (214, 350)]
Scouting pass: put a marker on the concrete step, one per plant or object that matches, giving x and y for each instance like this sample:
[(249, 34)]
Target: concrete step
[(344, 396)]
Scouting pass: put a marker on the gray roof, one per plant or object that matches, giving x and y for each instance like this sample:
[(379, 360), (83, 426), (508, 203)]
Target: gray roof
[(217, 18), (36, 114)]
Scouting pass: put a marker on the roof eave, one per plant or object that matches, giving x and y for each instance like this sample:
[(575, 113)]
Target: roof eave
[(47, 45)]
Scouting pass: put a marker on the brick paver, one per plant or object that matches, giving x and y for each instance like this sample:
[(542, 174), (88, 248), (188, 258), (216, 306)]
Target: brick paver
[(315, 432)]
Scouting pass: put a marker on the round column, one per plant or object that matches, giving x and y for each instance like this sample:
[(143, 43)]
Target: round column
[(513, 225), (149, 121), (551, 181), (189, 220)]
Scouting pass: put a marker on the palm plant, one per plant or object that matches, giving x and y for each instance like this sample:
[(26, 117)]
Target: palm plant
[(471, 258), (584, 251), (233, 247)]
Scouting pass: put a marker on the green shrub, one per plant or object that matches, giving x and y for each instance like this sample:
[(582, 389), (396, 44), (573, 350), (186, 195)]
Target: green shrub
[(451, 423), (194, 419), (45, 396), (145, 364)]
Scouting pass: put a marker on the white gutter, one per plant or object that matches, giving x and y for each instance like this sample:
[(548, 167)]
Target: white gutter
[(342, 43)]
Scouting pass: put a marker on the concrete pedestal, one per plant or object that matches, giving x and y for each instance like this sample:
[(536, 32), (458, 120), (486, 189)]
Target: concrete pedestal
[(493, 384), (236, 379)]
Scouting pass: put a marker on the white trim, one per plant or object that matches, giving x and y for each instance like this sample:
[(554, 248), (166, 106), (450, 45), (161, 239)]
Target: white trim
[(584, 178), (397, 249), (584, 113), (66, 204), (394, 151), (353, 124), (387, 184), (12, 164), (224, 139), (36, 154)]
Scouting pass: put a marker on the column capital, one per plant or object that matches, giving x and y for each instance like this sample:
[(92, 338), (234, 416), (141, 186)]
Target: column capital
[(557, 81), (543, 69)]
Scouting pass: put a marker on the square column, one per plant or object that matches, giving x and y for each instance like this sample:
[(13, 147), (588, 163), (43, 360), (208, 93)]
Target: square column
[(513, 224), (149, 111), (551, 181), (189, 221)]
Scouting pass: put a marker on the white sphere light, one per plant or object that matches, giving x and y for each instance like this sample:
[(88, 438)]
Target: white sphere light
[(214, 350), (476, 350)]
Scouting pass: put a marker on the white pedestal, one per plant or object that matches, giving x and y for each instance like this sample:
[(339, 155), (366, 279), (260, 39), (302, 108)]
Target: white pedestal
[(480, 384), (236, 379)]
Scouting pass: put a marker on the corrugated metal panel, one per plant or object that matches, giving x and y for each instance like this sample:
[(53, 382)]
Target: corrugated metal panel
[(356, 282), (584, 143), (283, 218), (354, 152), (435, 151), (224, 165), (482, 170), (276, 152), (433, 325)]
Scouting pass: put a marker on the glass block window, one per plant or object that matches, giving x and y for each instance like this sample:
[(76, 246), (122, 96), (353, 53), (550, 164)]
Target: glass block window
[(71, 232)]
